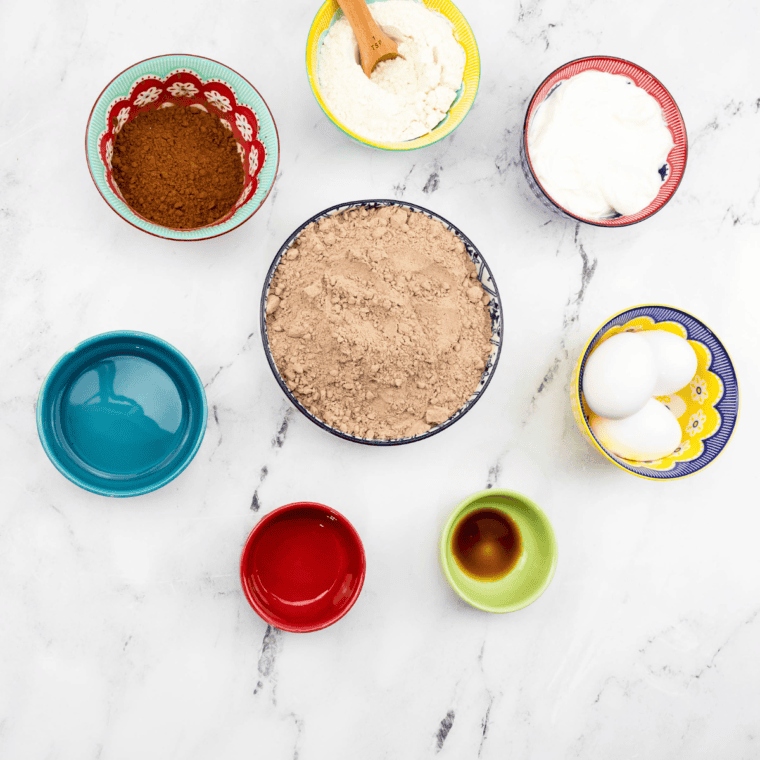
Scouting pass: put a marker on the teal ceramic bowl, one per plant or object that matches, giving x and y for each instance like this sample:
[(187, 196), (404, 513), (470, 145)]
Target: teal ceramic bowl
[(186, 80), (121, 414), (534, 569)]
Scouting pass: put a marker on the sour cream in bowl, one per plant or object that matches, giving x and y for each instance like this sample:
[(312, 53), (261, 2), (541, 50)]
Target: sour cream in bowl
[(603, 142)]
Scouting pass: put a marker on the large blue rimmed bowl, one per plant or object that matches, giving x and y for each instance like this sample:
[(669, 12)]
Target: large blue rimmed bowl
[(186, 80), (484, 275), (706, 409), (121, 414)]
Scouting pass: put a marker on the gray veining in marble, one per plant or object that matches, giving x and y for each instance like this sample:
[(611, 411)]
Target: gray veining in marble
[(124, 632)]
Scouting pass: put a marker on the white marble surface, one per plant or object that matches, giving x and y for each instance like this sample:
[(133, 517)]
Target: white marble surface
[(123, 630)]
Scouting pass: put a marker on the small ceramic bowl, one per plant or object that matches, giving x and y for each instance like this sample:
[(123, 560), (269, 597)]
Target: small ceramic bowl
[(302, 567), (534, 569), (484, 277), (330, 12), (121, 414), (671, 172), (707, 408), (186, 80)]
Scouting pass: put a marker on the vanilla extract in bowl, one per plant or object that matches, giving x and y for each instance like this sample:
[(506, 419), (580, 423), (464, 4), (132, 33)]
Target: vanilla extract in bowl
[(486, 544)]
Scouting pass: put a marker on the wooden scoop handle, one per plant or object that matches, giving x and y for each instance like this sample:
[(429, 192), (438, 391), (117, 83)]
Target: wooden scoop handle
[(374, 44)]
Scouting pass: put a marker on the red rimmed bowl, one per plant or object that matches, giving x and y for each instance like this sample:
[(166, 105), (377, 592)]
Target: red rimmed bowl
[(186, 80), (673, 170), (303, 567)]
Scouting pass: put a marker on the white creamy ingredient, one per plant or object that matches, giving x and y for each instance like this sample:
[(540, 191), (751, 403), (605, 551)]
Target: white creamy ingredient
[(405, 97), (596, 145)]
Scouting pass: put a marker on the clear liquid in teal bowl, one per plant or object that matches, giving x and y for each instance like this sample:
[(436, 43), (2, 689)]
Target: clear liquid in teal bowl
[(122, 416)]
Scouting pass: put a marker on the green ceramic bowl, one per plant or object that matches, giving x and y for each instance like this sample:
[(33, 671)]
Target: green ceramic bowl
[(535, 568)]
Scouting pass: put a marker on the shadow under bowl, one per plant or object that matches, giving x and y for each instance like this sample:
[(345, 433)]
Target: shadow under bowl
[(122, 414), (302, 567), (534, 569)]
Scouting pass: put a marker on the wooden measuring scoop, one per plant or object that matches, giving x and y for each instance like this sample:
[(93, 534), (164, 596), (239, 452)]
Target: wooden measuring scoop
[(374, 44)]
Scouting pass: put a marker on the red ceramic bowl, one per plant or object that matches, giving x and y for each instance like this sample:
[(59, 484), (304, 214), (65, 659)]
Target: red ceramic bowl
[(676, 162), (302, 567)]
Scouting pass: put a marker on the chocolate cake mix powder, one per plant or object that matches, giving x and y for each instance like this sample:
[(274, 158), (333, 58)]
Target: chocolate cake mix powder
[(377, 322)]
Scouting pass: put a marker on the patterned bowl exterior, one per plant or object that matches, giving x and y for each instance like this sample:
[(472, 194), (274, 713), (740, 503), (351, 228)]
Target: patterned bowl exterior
[(185, 80), (707, 409), (485, 278), (330, 12), (672, 171)]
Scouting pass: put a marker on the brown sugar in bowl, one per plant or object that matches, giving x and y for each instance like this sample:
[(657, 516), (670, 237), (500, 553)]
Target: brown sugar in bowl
[(186, 80), (480, 271), (178, 167)]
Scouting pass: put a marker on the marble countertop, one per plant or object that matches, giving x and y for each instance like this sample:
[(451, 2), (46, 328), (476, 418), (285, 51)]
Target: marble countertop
[(124, 632)]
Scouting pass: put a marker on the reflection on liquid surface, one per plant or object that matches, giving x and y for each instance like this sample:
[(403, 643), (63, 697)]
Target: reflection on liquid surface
[(123, 415)]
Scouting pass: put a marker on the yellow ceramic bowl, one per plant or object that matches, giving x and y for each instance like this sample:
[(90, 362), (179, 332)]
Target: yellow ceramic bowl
[(330, 12), (707, 408)]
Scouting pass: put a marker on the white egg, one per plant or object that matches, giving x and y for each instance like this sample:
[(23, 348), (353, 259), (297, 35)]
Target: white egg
[(652, 433), (619, 376), (675, 359)]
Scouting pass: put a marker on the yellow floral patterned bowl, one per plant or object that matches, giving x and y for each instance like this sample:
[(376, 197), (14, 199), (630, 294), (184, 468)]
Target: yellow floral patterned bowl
[(707, 408), (330, 12)]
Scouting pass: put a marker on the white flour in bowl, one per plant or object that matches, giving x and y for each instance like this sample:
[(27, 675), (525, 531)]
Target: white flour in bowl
[(405, 97)]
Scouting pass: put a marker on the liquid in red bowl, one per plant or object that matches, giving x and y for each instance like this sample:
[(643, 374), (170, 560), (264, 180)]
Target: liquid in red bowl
[(303, 567)]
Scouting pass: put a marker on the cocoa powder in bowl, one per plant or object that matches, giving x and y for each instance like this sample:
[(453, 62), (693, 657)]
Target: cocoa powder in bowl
[(178, 167), (377, 323)]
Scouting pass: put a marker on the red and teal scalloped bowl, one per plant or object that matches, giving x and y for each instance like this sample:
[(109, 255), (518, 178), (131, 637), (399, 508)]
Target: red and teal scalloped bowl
[(169, 80), (671, 172)]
